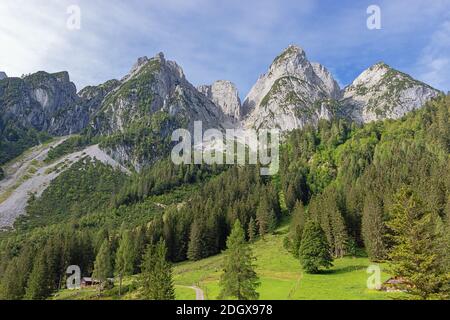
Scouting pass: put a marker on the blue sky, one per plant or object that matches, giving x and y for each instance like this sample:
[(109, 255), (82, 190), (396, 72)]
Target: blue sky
[(233, 40)]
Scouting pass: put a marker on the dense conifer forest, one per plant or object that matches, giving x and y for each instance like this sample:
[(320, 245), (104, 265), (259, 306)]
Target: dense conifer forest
[(382, 188)]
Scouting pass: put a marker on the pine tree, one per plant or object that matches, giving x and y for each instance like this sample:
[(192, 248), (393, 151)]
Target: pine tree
[(239, 279), (125, 257), (297, 227), (373, 229), (340, 235), (139, 245), (290, 197), (414, 255), (197, 247), (156, 276), (265, 217), (103, 266), (325, 210), (251, 230), (38, 282), (14, 281), (314, 249)]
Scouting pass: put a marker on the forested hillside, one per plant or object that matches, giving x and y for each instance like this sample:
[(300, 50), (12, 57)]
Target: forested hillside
[(382, 187)]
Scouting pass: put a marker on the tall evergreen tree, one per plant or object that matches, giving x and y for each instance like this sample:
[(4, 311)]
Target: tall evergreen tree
[(38, 287), (156, 276), (239, 279), (103, 268), (265, 216), (14, 280), (139, 245), (251, 230), (414, 255), (297, 227), (125, 257), (373, 229), (197, 245), (326, 211), (314, 249)]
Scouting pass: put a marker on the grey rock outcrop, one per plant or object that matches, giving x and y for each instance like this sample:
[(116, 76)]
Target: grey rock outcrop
[(34, 100), (291, 94), (225, 95), (155, 86), (75, 117), (381, 92), (154, 99), (3, 75)]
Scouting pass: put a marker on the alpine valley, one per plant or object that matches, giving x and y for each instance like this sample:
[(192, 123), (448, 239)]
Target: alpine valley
[(86, 179)]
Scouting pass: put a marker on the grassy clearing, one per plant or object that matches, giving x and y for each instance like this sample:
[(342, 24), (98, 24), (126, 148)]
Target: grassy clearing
[(281, 276)]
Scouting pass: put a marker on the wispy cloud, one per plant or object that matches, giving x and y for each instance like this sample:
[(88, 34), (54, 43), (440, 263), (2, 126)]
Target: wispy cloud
[(233, 39), (434, 64)]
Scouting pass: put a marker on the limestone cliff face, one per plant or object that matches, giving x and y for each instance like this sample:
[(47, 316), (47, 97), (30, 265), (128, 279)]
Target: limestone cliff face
[(33, 101), (74, 118), (381, 92), (155, 98), (155, 86), (293, 93), (152, 101), (225, 95)]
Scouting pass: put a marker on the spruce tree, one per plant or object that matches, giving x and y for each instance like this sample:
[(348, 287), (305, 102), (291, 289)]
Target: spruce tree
[(239, 279), (38, 282), (340, 235), (325, 210), (14, 280), (197, 247), (125, 257), (265, 217), (156, 276), (314, 249), (297, 227), (373, 229), (414, 255), (103, 265), (290, 197), (139, 246), (251, 230)]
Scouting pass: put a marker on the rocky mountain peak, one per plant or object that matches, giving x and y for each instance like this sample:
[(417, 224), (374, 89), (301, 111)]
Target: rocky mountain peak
[(290, 92), (3, 75), (62, 76), (292, 61), (330, 85), (160, 56), (141, 61), (373, 74), (292, 54), (382, 92), (225, 95)]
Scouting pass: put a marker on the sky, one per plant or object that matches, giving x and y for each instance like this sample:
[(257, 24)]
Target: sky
[(232, 40)]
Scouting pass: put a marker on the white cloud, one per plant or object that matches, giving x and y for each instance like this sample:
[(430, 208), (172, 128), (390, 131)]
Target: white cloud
[(434, 63), (211, 40)]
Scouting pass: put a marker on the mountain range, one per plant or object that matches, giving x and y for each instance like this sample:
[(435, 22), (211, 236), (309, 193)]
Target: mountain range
[(155, 96)]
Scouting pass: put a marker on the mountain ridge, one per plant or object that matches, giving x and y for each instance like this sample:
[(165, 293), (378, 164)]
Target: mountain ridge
[(156, 94)]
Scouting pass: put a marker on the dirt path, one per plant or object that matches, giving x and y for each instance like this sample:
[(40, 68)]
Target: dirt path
[(199, 295)]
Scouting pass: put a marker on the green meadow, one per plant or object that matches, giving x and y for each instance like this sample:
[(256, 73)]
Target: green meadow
[(280, 275)]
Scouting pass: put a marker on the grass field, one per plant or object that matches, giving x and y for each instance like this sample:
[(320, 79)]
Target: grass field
[(280, 275)]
